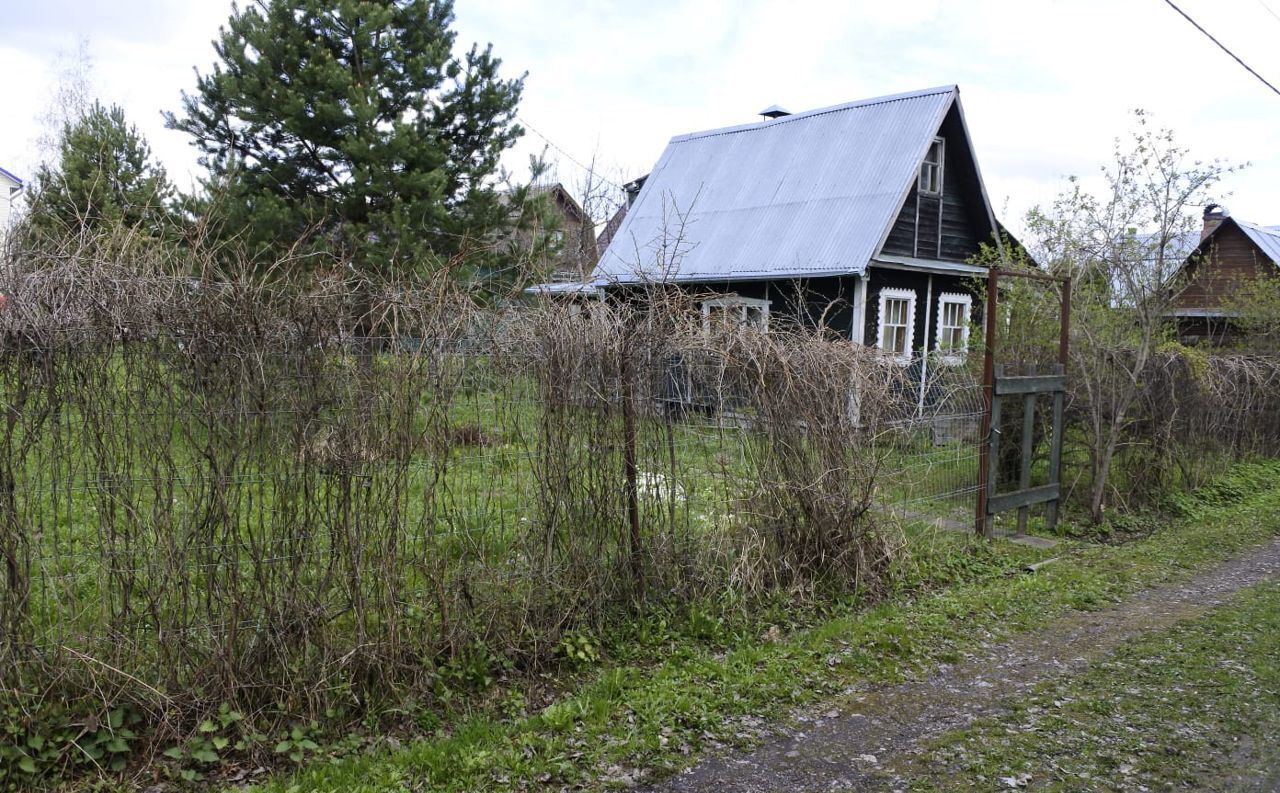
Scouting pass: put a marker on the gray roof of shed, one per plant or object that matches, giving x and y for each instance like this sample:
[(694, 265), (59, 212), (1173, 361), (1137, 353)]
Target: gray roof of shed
[(813, 193)]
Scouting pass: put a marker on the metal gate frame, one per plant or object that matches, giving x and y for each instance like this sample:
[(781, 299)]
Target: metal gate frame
[(997, 384)]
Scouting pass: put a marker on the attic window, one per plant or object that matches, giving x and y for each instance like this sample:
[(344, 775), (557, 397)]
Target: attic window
[(732, 312), (931, 168)]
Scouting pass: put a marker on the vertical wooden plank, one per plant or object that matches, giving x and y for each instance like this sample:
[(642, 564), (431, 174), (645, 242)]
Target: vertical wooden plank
[(915, 229), (1055, 442), (924, 350), (993, 454), (1055, 459), (1064, 329), (857, 332), (1028, 449)]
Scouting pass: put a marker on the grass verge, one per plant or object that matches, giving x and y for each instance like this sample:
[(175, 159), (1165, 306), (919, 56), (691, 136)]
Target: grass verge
[(1183, 709), (633, 721)]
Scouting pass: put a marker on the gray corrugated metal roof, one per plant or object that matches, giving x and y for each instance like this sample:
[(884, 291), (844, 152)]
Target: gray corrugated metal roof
[(563, 288), (1265, 237), (5, 173), (807, 194)]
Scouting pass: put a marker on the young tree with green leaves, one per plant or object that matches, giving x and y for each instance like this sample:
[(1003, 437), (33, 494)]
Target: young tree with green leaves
[(104, 176), (1122, 247), (352, 127), (1255, 310)]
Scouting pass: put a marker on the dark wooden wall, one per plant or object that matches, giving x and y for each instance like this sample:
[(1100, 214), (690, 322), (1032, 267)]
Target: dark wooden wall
[(1232, 260), (882, 278), (810, 302), (959, 209), (828, 302)]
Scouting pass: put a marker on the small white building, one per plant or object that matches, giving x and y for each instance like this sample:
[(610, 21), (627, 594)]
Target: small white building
[(10, 189)]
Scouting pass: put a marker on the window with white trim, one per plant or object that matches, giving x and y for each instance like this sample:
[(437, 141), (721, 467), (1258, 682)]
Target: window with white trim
[(931, 169), (897, 322), (733, 312), (953, 326)]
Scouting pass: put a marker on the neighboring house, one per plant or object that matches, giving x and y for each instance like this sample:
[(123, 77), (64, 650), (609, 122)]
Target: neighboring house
[(860, 218), (572, 248), (10, 188), (1230, 255)]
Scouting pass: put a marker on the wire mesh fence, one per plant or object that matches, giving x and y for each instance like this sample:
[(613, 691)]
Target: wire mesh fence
[(934, 475), (216, 495)]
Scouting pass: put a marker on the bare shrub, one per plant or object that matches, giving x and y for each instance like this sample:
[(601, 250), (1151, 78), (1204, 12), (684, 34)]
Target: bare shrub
[(214, 489), (1199, 410), (818, 409)]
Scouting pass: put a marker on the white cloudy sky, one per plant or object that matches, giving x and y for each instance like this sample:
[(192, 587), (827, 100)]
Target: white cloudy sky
[(1047, 84)]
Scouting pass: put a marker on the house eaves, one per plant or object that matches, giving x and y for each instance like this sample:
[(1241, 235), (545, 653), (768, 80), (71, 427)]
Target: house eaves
[(926, 265)]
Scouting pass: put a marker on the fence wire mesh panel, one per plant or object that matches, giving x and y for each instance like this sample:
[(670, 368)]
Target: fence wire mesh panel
[(932, 472), (219, 493)]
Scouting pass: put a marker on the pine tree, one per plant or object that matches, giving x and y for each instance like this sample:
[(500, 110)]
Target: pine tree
[(105, 175), (351, 126)]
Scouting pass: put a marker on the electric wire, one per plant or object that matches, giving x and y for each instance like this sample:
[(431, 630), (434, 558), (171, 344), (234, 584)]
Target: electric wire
[(1222, 46)]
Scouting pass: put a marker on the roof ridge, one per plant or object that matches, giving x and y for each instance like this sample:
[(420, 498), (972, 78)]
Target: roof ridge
[(952, 88)]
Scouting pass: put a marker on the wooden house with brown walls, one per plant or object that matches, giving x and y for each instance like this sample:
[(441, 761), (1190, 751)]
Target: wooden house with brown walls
[(562, 244), (1231, 254)]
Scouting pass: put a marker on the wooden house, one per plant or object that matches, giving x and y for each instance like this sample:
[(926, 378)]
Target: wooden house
[(1231, 254), (862, 218), (562, 242)]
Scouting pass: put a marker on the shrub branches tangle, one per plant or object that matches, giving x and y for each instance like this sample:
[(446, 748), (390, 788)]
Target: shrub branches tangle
[(215, 492), (212, 491)]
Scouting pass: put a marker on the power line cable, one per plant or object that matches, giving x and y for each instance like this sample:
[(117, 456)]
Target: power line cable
[(567, 155), (1222, 46), (1268, 9)]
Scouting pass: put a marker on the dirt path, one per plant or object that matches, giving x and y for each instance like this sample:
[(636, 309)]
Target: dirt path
[(846, 750)]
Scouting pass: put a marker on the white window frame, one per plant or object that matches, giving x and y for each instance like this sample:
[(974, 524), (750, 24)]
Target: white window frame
[(734, 301), (954, 298), (936, 167), (895, 293)]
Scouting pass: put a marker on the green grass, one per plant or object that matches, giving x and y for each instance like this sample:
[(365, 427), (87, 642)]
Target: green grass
[(141, 506), (469, 505), (1181, 709), (658, 716)]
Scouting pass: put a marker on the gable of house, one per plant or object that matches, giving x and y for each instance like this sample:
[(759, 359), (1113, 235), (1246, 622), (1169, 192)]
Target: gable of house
[(573, 240), (813, 194), (946, 225), (1233, 254)]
